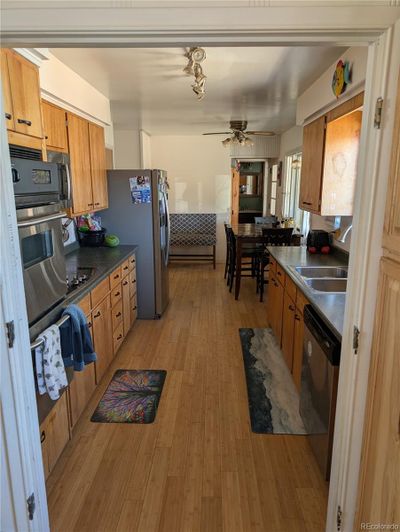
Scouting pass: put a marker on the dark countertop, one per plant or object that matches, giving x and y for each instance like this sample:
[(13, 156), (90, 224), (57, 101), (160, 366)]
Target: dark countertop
[(329, 306), (103, 259)]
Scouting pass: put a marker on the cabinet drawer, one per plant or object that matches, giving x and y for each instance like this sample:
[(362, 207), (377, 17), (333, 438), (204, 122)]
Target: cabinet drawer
[(280, 274), (125, 268), (116, 294), (100, 291), (118, 337), (301, 300), (290, 288), (116, 315), (115, 277), (132, 262), (272, 264), (132, 283), (85, 304)]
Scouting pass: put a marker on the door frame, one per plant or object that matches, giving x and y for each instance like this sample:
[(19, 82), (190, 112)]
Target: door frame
[(270, 26)]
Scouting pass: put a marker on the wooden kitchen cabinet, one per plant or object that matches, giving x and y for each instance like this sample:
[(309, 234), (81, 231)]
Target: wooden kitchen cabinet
[(288, 315), (78, 139), (380, 466), (329, 160), (54, 434), (235, 177), (55, 127), (275, 307), (98, 166), (298, 348), (126, 301), (312, 165), (7, 100), (25, 95), (103, 336)]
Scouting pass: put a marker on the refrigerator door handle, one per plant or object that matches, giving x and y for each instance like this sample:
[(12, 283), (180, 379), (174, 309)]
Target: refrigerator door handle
[(167, 226)]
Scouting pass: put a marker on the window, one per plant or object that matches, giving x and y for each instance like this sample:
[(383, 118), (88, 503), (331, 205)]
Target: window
[(291, 194), (274, 187)]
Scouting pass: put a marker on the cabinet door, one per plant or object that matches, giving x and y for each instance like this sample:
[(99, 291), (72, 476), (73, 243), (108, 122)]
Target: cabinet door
[(288, 330), (81, 389), (342, 142), (103, 336), (312, 165), (54, 433), (276, 309), (391, 237), (78, 140), (126, 302), (298, 348), (98, 166), (380, 466), (7, 102), (235, 196), (25, 92), (133, 309), (55, 128)]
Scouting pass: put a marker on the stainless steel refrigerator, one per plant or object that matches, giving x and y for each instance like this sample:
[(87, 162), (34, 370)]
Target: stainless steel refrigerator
[(138, 214)]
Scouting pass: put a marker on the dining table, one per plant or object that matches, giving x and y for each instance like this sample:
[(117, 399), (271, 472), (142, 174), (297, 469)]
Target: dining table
[(250, 233)]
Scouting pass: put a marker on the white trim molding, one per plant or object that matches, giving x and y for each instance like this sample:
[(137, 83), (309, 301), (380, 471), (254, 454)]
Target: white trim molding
[(34, 55)]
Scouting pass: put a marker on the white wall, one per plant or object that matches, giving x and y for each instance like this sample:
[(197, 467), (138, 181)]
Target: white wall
[(145, 149), (126, 149), (199, 175), (319, 97), (61, 85)]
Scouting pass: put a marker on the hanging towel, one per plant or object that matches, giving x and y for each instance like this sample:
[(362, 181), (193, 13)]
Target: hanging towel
[(76, 342), (50, 371)]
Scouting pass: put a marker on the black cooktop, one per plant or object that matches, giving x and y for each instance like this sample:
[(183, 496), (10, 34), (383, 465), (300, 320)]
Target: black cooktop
[(78, 277)]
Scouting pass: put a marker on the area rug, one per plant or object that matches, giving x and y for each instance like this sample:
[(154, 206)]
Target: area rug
[(131, 397), (273, 397)]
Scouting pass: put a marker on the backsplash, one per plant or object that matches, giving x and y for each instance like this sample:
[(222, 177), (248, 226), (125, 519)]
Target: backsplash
[(326, 223)]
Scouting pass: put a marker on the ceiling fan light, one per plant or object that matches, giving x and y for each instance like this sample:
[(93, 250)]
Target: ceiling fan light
[(227, 141), (248, 142)]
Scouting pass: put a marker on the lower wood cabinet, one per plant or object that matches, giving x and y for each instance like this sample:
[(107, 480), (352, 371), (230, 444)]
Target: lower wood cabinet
[(288, 319), (126, 301), (298, 348), (103, 336), (54, 434), (275, 295)]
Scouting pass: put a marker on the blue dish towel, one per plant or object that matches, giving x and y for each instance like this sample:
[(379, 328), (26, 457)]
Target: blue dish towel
[(76, 342)]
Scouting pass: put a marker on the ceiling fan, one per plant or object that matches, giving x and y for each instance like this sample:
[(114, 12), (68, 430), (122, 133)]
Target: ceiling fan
[(239, 133)]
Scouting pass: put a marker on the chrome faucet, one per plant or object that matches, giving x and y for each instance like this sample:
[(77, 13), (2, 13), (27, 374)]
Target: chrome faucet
[(343, 236)]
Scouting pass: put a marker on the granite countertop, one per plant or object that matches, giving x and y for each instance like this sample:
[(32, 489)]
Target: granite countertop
[(103, 259), (330, 306)]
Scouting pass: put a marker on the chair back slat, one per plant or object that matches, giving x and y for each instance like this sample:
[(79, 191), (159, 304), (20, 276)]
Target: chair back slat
[(281, 236)]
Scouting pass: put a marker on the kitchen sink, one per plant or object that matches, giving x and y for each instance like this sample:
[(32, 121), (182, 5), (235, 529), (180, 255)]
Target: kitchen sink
[(319, 272), (327, 285)]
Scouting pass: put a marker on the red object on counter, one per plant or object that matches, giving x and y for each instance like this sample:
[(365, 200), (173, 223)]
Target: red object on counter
[(312, 250), (326, 250)]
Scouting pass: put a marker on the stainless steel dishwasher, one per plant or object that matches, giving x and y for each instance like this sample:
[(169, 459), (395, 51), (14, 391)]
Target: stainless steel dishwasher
[(319, 379)]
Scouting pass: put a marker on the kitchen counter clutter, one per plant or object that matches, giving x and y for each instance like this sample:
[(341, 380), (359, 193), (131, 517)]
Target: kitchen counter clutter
[(330, 306)]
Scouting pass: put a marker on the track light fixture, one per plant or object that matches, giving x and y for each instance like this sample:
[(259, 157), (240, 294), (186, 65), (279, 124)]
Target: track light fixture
[(193, 68)]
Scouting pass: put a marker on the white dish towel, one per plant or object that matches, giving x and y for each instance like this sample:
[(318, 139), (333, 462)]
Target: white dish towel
[(50, 370)]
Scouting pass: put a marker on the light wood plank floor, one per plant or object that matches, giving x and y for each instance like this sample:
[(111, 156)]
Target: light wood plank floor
[(198, 467)]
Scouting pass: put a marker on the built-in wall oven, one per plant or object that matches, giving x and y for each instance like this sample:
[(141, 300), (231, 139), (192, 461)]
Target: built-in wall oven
[(37, 196)]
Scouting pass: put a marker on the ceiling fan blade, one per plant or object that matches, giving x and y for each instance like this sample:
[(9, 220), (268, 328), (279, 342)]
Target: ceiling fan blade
[(220, 133), (263, 133)]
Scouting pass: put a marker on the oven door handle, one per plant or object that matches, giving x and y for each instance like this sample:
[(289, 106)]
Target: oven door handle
[(42, 220)]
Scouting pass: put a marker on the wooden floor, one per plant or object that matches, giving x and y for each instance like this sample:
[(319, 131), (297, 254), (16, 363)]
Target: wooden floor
[(198, 467)]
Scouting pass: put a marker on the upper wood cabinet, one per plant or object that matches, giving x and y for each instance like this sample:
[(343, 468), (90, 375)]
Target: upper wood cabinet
[(88, 167), (330, 153), (7, 101), (312, 165), (98, 166), (78, 137), (391, 236), (25, 95), (235, 196), (55, 127)]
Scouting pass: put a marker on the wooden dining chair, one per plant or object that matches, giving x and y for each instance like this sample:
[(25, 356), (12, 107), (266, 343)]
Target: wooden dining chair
[(273, 237)]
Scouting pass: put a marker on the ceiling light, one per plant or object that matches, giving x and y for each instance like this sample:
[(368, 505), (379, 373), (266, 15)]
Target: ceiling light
[(193, 68), (227, 141)]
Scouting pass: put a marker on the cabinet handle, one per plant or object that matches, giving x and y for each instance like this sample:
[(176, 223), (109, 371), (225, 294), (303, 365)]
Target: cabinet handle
[(134, 281), (307, 203), (124, 283), (42, 436), (23, 121), (278, 273), (117, 293), (118, 315), (8, 116), (116, 276), (291, 307), (46, 137), (97, 203), (125, 267), (89, 324), (134, 308), (119, 337), (97, 314), (297, 317), (90, 204)]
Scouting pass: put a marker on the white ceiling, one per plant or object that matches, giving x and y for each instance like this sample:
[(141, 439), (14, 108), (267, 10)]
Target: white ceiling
[(148, 89)]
